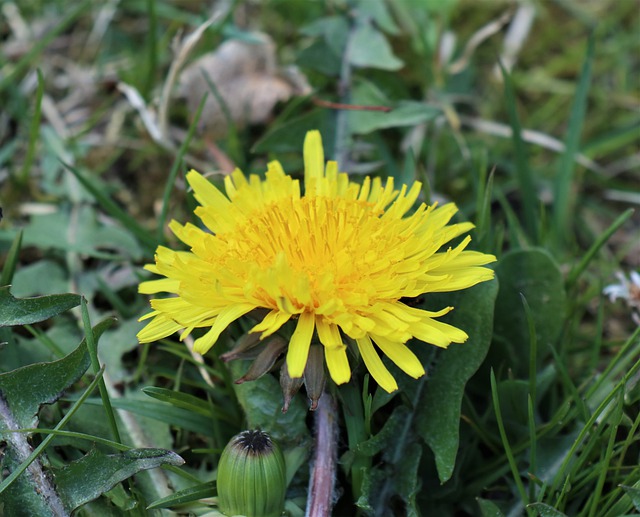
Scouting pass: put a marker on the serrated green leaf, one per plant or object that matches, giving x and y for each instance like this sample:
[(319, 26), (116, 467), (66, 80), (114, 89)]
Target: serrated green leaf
[(20, 498), (185, 496), (489, 508), (384, 437), (89, 477), (14, 311), (22, 392), (369, 48), (535, 275), (261, 401), (544, 510), (45, 382), (439, 420)]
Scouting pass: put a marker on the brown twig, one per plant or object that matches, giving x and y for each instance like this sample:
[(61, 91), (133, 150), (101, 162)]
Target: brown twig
[(352, 107), (323, 471)]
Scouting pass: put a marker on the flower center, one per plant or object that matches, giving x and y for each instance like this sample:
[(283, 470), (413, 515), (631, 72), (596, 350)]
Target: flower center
[(314, 250)]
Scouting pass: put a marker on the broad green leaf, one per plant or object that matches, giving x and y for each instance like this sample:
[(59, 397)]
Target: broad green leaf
[(25, 311), (489, 508), (185, 496), (320, 56), (379, 14), (44, 277), (369, 48), (544, 510), (438, 422), (89, 477), (261, 401), (404, 113), (534, 275), (334, 31), (89, 237)]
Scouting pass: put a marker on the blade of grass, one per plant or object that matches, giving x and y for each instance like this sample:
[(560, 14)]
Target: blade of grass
[(152, 56), (174, 171), (233, 140), (615, 362), (569, 385), (524, 177), (92, 347), (533, 349), (185, 496), (517, 237), (587, 428), (603, 464), (595, 247), (45, 340), (34, 130), (79, 436), (563, 200), (114, 210), (11, 260), (505, 443), (532, 448)]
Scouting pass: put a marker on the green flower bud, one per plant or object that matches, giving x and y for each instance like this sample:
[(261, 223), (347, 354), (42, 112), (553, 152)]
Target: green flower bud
[(251, 476)]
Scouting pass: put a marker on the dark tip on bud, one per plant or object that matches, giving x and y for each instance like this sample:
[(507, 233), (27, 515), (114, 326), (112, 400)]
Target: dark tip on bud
[(254, 442)]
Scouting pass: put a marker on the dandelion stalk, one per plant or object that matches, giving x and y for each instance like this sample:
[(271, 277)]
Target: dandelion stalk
[(323, 472)]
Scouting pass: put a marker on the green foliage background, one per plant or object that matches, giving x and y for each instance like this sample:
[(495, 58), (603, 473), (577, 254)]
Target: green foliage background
[(536, 414)]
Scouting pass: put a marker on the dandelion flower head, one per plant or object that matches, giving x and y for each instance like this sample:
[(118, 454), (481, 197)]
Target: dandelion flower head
[(337, 260)]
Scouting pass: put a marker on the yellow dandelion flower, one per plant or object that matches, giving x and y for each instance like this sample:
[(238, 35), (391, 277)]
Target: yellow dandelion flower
[(337, 259)]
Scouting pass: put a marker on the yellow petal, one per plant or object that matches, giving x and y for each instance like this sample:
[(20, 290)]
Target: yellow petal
[(271, 323), (313, 156), (400, 354), (337, 363), (373, 363), (299, 345), (159, 328), (329, 334), (226, 316)]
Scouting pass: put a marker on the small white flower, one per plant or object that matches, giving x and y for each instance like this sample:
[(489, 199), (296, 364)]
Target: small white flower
[(629, 290)]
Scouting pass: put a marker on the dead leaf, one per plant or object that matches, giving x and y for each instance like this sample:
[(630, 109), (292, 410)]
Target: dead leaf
[(246, 78)]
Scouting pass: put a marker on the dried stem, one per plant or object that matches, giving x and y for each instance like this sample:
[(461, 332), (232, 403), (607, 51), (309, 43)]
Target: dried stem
[(323, 472), (22, 450)]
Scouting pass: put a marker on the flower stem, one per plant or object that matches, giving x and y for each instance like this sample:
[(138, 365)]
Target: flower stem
[(325, 459)]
